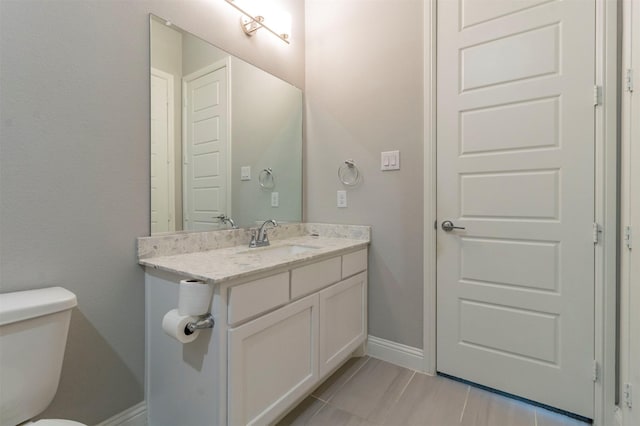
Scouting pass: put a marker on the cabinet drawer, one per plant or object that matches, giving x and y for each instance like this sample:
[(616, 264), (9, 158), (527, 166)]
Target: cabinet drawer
[(353, 263), (313, 277), (253, 298)]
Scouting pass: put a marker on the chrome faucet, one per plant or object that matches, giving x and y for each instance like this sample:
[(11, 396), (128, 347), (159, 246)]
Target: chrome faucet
[(260, 239), (226, 219)]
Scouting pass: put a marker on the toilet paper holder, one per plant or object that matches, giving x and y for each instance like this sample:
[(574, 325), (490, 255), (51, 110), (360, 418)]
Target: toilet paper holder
[(205, 321)]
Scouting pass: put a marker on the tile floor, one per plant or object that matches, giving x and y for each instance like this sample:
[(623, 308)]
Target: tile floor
[(367, 391)]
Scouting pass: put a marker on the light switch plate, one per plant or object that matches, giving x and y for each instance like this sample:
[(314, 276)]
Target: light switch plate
[(275, 199), (390, 160), (245, 173), (342, 199)]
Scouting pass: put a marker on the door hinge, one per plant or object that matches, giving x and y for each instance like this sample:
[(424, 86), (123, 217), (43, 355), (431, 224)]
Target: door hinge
[(628, 80), (596, 233), (628, 395), (595, 373), (597, 95), (627, 237)]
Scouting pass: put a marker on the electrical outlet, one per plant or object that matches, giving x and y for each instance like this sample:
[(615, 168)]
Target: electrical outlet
[(342, 199), (275, 199), (245, 173)]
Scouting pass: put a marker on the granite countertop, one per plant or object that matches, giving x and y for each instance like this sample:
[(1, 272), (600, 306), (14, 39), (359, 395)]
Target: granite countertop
[(230, 263)]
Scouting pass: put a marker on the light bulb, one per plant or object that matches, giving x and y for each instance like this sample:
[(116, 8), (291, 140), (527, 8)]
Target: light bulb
[(280, 22)]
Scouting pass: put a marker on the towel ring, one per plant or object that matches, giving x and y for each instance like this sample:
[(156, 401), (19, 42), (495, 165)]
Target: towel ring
[(348, 173), (266, 179)]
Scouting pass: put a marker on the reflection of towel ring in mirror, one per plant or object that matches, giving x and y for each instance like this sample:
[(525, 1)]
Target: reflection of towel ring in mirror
[(266, 179), (348, 173)]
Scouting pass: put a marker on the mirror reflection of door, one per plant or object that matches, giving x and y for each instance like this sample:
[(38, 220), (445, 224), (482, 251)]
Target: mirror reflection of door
[(206, 148), (162, 158)]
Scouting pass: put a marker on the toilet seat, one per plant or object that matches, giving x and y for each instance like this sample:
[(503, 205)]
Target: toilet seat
[(56, 422)]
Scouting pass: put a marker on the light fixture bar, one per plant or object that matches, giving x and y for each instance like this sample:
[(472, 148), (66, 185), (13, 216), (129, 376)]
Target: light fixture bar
[(253, 23), (250, 25)]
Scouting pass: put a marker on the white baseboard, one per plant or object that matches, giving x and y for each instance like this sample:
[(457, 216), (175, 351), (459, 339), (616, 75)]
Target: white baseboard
[(134, 416), (396, 353)]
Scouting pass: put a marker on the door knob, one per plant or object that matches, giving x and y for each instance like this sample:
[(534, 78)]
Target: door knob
[(447, 226)]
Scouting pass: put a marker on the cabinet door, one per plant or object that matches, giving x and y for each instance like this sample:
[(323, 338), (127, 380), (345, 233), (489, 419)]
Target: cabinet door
[(272, 362), (343, 320)]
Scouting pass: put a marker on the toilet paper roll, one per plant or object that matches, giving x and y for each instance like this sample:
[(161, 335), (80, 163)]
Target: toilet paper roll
[(194, 297), (174, 325)]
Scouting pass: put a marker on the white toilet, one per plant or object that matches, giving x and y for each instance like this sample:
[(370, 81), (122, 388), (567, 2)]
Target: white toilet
[(33, 335)]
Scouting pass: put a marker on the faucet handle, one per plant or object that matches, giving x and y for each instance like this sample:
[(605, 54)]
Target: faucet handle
[(254, 233)]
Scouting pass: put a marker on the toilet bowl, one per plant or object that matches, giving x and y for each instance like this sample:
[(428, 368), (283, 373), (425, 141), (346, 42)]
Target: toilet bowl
[(33, 335)]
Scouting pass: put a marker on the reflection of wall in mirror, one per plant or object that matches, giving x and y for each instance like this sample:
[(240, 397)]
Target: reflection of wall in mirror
[(267, 138)]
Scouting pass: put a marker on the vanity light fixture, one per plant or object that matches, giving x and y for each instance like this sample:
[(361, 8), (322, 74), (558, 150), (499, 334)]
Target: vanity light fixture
[(280, 22)]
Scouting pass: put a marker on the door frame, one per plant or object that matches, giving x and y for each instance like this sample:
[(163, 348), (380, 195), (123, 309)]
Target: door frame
[(605, 209), (171, 157), (226, 64), (630, 212)]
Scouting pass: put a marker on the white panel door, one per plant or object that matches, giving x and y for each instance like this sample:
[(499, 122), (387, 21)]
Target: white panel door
[(206, 146), (515, 153), (162, 199)]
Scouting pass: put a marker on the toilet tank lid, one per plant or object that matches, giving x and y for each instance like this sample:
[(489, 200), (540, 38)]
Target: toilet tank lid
[(22, 305)]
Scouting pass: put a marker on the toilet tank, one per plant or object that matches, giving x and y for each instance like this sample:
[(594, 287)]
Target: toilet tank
[(33, 335)]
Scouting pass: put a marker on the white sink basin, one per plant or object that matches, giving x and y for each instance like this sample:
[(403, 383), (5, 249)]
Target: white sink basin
[(289, 249)]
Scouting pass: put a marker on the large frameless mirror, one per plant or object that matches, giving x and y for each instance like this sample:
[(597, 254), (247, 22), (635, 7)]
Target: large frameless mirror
[(226, 138)]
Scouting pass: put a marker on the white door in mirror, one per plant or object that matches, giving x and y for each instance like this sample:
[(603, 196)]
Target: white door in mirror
[(205, 169)]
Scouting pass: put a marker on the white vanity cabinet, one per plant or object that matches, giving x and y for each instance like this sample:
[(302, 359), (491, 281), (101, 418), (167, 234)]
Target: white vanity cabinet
[(277, 336), (278, 358)]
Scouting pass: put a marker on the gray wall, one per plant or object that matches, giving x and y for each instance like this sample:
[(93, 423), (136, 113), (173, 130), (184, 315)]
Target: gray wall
[(74, 169), (363, 96)]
